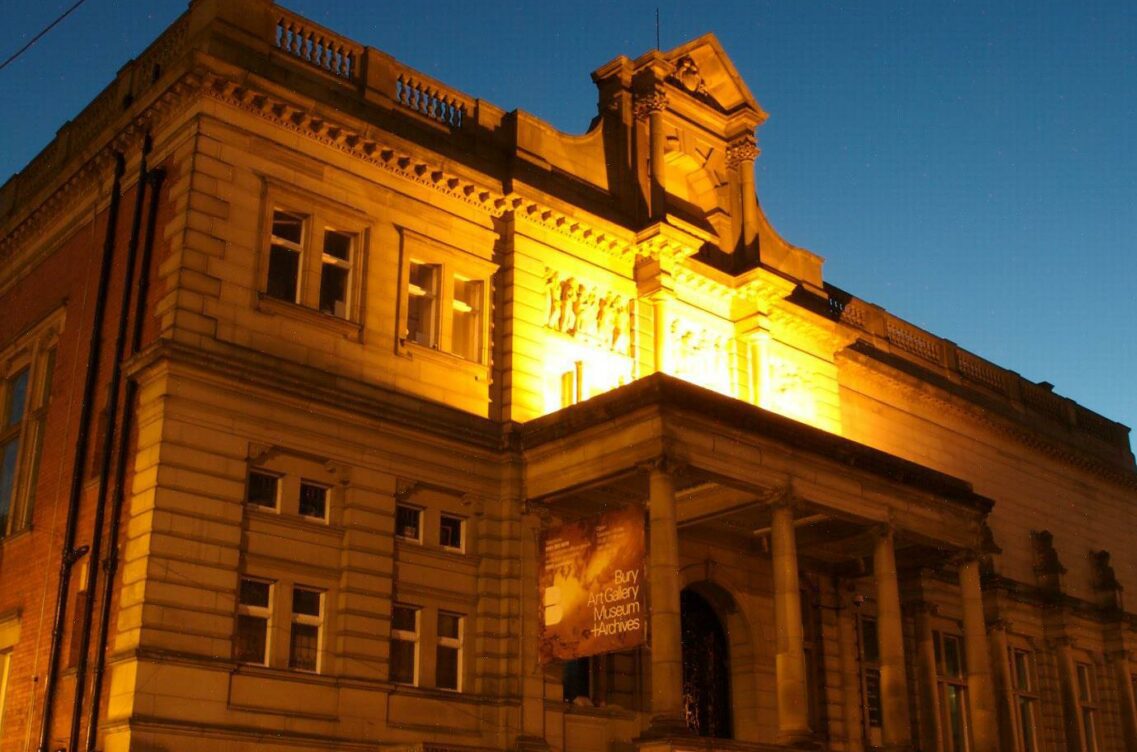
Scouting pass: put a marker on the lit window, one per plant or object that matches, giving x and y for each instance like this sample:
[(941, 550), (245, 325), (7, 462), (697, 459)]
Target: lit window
[(313, 500), (1025, 689), (466, 326), (953, 691), (254, 613), (408, 522), (311, 263), (450, 532), (263, 489), (307, 617), (404, 644), (1088, 706), (24, 391), (444, 299), (422, 304), (448, 660)]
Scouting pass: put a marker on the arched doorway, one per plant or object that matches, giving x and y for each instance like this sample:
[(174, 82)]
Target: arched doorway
[(706, 668)]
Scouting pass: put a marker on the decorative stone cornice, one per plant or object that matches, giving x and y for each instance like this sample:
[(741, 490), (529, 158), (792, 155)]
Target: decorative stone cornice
[(742, 149)]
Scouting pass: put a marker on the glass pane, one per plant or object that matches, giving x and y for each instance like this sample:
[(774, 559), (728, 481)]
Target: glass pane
[(252, 632), (422, 304), (403, 618), (448, 625), (447, 668), (333, 290), (17, 398), (313, 500), (262, 489), (868, 636), (1084, 688), (467, 324), (450, 532), (953, 695), (406, 522), (575, 679), (402, 661), (288, 226), (283, 273), (254, 593), (8, 454), (306, 602), (872, 697), (953, 660), (1022, 671), (338, 244), (303, 647)]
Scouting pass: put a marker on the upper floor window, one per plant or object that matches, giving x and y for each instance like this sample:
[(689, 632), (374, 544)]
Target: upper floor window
[(448, 658), (404, 644), (445, 299), (450, 532), (952, 678), (25, 384), (408, 522), (291, 485), (314, 255), (254, 617), (1088, 706), (1024, 686), (307, 620)]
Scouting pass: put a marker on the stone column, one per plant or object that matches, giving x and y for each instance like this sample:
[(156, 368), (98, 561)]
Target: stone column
[(1123, 675), (660, 303), (897, 727), (789, 661), (1004, 684), (650, 105), (980, 685), (931, 732), (666, 636), (740, 154)]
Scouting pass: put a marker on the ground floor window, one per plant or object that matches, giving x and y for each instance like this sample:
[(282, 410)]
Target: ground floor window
[(952, 679)]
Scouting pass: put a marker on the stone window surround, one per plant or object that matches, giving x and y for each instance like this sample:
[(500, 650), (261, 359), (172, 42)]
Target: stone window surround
[(427, 640), (320, 214), (453, 263), (280, 616), (292, 470)]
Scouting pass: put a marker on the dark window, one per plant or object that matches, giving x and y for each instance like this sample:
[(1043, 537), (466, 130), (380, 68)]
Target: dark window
[(407, 521), (284, 256), (335, 273), (262, 490), (449, 653), (313, 500), (404, 644), (252, 621), (304, 644), (450, 532)]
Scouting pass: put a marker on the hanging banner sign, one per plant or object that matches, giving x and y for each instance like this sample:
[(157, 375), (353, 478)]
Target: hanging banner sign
[(593, 588)]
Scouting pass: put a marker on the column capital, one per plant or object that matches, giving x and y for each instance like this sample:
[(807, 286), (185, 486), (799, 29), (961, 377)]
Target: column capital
[(665, 463), (742, 149), (649, 101)]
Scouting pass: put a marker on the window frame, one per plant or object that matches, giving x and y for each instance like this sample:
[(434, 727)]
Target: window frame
[(1088, 697), (413, 638), (33, 353), (453, 266), (449, 643), (307, 620), (1024, 696), (421, 517), (319, 217), (257, 612), (957, 682), (868, 673), (461, 547), (278, 487), (325, 487)]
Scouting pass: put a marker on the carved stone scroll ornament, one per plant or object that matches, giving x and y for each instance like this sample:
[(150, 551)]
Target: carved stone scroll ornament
[(585, 312), (742, 149)]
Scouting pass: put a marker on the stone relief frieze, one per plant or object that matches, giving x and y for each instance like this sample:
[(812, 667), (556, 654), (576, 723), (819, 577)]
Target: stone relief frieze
[(700, 355), (587, 313)]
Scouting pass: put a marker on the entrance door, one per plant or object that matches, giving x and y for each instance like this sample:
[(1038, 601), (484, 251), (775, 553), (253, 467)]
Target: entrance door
[(706, 668)]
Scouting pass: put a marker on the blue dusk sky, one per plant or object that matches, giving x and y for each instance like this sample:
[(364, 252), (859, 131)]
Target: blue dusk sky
[(970, 166)]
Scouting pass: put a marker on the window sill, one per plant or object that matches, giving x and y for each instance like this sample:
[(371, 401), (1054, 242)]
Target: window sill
[(348, 329), (413, 350)]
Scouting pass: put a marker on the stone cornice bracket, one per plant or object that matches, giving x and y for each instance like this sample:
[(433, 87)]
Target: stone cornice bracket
[(742, 149), (405, 489), (665, 462), (649, 101)]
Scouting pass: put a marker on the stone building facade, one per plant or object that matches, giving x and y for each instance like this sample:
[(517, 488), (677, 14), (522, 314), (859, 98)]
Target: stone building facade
[(302, 350)]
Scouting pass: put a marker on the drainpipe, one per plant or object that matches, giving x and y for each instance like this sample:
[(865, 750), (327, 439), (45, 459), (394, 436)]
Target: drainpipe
[(110, 567), (106, 451), (70, 554)]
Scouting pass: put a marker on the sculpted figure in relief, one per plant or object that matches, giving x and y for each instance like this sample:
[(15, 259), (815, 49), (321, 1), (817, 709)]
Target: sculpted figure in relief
[(587, 313)]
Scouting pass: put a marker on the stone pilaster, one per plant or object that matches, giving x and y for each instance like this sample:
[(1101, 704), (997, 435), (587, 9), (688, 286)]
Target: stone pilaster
[(931, 731), (740, 155), (789, 665), (897, 726), (980, 685), (650, 105)]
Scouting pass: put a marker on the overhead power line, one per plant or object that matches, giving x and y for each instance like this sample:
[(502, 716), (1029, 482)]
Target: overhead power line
[(37, 37)]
